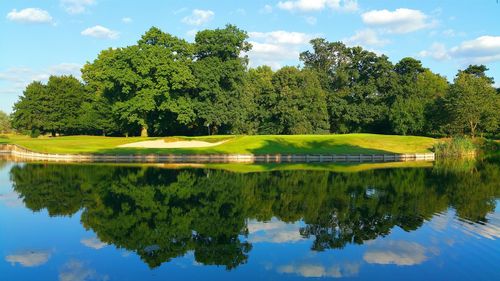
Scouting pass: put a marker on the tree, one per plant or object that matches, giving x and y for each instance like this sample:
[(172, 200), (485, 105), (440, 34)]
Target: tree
[(407, 116), (409, 68), (5, 125), (66, 95), (51, 108), (30, 111), (300, 102), (472, 104), (259, 86), (146, 84), (479, 71), (219, 70), (357, 83), (412, 101)]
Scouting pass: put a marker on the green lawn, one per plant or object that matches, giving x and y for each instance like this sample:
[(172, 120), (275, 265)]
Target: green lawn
[(268, 144)]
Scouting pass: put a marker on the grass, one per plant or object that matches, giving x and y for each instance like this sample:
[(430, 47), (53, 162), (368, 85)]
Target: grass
[(455, 147), (266, 144)]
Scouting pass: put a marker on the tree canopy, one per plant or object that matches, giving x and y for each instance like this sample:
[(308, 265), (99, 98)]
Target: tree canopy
[(164, 85)]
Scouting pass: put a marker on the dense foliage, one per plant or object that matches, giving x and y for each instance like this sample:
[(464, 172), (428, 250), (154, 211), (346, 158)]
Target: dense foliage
[(164, 85), (161, 214), (5, 125)]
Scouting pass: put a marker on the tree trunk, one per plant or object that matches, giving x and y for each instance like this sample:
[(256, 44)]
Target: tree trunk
[(144, 131), (53, 133), (473, 129)]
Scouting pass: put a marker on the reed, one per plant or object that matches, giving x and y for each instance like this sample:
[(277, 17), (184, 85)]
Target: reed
[(455, 147)]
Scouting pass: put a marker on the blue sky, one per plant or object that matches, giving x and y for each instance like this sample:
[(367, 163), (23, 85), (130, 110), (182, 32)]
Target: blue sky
[(46, 37)]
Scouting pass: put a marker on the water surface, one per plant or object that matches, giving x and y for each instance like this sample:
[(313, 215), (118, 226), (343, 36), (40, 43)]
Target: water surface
[(105, 222)]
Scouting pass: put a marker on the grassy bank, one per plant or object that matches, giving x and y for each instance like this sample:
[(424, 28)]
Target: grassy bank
[(455, 147), (268, 144)]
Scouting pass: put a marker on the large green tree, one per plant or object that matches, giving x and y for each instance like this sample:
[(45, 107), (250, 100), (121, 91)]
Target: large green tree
[(220, 70), (146, 84), (258, 85), (412, 100), (472, 105), (357, 83), (52, 108), (300, 102)]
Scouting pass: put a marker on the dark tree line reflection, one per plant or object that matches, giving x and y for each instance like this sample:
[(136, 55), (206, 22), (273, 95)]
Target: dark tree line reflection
[(161, 214)]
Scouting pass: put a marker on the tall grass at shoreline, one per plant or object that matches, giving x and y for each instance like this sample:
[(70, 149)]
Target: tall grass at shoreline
[(455, 147)]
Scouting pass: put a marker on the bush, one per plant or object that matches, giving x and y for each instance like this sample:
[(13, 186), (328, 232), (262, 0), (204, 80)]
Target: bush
[(35, 133), (455, 147)]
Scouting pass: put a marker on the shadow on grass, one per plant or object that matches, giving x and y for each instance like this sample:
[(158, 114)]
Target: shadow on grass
[(313, 147), (268, 147)]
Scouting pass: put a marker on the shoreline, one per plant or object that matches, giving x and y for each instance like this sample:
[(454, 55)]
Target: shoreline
[(22, 153)]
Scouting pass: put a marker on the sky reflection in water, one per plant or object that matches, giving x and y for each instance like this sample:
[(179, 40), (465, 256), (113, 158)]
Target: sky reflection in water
[(101, 222)]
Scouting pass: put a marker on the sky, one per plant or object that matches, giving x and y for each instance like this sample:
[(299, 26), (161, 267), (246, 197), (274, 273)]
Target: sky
[(57, 37)]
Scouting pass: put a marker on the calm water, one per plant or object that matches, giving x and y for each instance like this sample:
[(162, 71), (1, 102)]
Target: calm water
[(101, 222)]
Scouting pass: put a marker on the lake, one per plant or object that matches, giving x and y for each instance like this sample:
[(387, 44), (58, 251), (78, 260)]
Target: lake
[(69, 222)]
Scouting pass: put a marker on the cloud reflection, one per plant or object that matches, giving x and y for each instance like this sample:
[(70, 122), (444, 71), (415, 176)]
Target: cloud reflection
[(395, 252), (93, 243), (76, 271), (29, 258), (274, 231), (11, 199), (318, 270)]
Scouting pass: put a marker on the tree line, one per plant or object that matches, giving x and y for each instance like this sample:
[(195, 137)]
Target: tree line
[(164, 85)]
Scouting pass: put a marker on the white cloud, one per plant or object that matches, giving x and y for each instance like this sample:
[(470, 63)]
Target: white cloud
[(311, 20), (267, 9), (126, 20), (29, 259), (30, 15), (398, 21), (199, 17), (240, 12), (100, 31), (76, 6), (366, 37), (14, 80), (483, 49), (276, 47), (93, 243), (192, 33), (437, 51), (281, 37), (395, 252), (21, 76), (319, 5), (318, 270), (452, 33)]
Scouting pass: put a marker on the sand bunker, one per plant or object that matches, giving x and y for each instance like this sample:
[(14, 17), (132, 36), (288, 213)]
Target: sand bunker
[(175, 144)]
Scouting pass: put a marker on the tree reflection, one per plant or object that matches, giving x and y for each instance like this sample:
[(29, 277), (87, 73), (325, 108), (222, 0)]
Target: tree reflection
[(161, 214)]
